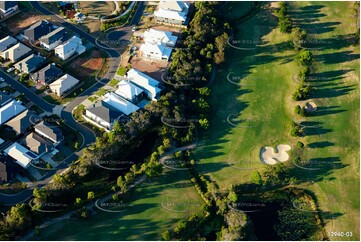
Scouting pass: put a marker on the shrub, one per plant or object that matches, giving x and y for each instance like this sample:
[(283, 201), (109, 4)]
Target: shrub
[(301, 93), (285, 25), (300, 144), (297, 109), (304, 72), (304, 57)]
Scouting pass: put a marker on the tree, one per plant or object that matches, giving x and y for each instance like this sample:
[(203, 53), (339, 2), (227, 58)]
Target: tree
[(166, 235), (232, 195), (77, 201), (285, 25), (297, 109), (238, 226), (19, 218), (91, 195), (304, 57), (122, 184), (300, 144), (204, 123), (154, 168), (129, 177), (298, 37), (256, 178), (76, 145), (294, 225), (134, 169), (304, 72), (276, 174)]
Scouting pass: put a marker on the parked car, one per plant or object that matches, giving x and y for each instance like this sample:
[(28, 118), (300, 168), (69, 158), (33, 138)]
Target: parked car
[(134, 29), (1, 79), (10, 69)]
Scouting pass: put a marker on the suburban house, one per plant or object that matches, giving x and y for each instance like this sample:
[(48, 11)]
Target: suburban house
[(120, 103), (8, 168), (20, 154), (8, 7), (71, 47), (21, 122), (155, 51), (165, 38), (150, 85), (30, 63), (47, 74), (130, 91), (79, 17), (16, 52), (53, 39), (103, 115), (178, 6), (38, 144), (38, 30), (170, 17), (7, 42), (9, 108), (63, 84), (49, 132)]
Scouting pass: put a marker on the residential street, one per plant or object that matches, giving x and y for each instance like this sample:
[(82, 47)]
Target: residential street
[(66, 113)]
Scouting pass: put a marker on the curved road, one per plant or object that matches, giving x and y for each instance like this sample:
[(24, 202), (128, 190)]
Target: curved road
[(66, 113)]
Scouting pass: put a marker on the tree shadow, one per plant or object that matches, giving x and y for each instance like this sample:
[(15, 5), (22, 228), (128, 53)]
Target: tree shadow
[(336, 58), (321, 144), (331, 92)]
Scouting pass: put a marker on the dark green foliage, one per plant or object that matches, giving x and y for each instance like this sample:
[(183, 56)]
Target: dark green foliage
[(298, 37), (304, 57), (295, 225), (284, 23), (301, 93), (304, 72), (300, 144), (296, 130), (256, 178)]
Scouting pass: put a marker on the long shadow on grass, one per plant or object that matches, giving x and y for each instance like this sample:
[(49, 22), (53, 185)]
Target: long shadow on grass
[(336, 58), (317, 169), (308, 17), (229, 100), (321, 144), (335, 91)]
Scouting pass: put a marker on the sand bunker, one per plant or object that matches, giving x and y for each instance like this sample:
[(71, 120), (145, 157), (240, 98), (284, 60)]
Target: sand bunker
[(270, 157), (310, 107)]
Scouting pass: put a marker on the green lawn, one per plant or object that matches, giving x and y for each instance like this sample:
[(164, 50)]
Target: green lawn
[(264, 103), (145, 217)]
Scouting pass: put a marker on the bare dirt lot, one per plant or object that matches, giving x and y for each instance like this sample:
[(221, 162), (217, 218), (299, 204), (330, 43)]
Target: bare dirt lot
[(154, 69), (87, 64), (96, 8), (23, 20)]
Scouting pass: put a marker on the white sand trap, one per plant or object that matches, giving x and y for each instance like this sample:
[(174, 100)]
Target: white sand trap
[(310, 107), (270, 157)]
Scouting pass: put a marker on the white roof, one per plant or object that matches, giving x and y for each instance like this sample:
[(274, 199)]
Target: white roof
[(22, 155), (5, 42), (144, 81), (170, 14), (156, 36), (65, 82), (70, 44), (10, 110), (174, 5), (128, 90), (120, 103), (156, 48)]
